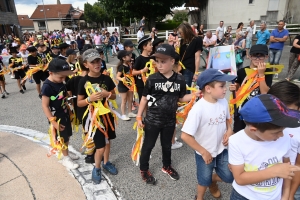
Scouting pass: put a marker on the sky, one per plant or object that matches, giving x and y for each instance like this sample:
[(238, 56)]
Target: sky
[(26, 7)]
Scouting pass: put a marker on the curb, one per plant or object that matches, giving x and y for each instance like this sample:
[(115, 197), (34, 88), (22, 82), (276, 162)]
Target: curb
[(104, 191)]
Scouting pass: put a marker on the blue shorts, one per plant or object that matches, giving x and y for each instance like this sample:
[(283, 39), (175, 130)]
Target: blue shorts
[(236, 196), (219, 163), (248, 43)]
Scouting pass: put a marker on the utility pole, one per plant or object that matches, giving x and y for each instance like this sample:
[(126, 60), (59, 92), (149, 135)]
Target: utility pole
[(46, 23)]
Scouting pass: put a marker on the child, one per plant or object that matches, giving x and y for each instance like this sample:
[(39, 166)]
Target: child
[(126, 94), (103, 64), (92, 61), (259, 154), (140, 63), (2, 80), (258, 54), (54, 100), (207, 129), (289, 94), (15, 63), (162, 92)]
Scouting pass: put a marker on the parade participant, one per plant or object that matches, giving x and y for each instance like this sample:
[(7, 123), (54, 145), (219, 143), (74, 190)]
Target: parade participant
[(123, 70), (103, 136), (140, 63), (162, 92), (207, 129), (55, 51), (54, 100), (264, 175), (15, 63), (2, 79), (63, 51)]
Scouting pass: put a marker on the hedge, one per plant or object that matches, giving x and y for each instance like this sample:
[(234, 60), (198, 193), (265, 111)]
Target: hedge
[(167, 26)]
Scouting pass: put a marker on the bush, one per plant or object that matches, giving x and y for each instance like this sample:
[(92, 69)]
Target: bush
[(169, 25)]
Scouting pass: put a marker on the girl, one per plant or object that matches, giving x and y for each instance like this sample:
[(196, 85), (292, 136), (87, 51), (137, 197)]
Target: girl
[(2, 79), (126, 94), (173, 38)]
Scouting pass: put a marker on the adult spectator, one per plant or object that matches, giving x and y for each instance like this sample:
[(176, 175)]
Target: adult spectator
[(97, 38), (190, 50), (194, 27), (277, 39), (173, 38), (239, 33), (209, 40), (227, 40), (220, 32), (140, 33), (80, 42), (142, 23), (229, 29), (117, 33), (263, 35), (249, 34), (201, 31), (294, 58)]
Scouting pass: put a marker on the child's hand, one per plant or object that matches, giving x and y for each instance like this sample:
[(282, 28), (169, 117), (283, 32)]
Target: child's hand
[(140, 124), (261, 68), (285, 170), (95, 96), (104, 93), (60, 127), (207, 157), (145, 69), (226, 137), (232, 87), (198, 93)]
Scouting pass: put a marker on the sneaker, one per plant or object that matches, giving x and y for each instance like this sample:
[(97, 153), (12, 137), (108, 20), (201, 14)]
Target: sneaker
[(96, 175), (73, 156), (125, 118), (68, 163), (6, 93), (3, 96), (214, 190), (176, 145), (40, 96), (296, 80), (131, 115), (171, 172), (275, 75), (12, 76), (89, 159), (21, 91), (110, 168), (148, 178), (24, 87)]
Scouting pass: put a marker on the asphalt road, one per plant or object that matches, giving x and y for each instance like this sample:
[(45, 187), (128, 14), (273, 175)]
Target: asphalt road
[(25, 110)]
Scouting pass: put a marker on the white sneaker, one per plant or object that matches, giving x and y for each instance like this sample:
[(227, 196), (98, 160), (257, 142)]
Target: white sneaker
[(12, 76), (125, 118), (131, 115), (276, 75), (296, 80), (73, 156), (176, 145), (68, 163)]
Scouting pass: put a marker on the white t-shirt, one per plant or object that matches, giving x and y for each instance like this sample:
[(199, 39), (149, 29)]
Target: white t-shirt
[(210, 40), (140, 34), (258, 155), (250, 32), (24, 57), (221, 32), (294, 134), (207, 123)]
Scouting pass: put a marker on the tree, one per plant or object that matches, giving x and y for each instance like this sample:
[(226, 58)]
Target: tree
[(180, 16), (138, 8), (95, 13)]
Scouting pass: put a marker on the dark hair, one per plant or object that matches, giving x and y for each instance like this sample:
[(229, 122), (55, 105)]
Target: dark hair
[(82, 67), (262, 127), (119, 65), (145, 44), (222, 21), (240, 24), (188, 33), (287, 92)]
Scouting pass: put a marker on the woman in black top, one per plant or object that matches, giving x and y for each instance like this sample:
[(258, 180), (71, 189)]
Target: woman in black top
[(190, 50), (294, 61), (201, 31)]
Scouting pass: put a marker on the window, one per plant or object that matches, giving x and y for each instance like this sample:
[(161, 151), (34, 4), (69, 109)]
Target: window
[(42, 24), (251, 1)]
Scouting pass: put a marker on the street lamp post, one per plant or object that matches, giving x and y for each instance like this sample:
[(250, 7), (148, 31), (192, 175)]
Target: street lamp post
[(46, 23)]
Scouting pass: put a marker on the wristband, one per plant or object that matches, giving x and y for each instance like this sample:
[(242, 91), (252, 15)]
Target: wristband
[(51, 119), (261, 78), (138, 118)]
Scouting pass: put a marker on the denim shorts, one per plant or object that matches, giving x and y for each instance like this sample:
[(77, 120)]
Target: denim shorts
[(236, 196), (219, 163), (248, 43)]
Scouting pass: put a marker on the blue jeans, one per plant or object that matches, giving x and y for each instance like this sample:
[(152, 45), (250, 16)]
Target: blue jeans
[(219, 163), (274, 56), (188, 76), (236, 196)]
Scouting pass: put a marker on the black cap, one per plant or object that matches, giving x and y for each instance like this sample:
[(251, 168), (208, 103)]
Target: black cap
[(39, 45), (128, 43), (31, 49), (123, 53), (70, 52), (259, 48), (86, 47), (59, 66), (157, 41), (54, 47), (143, 40), (63, 46), (13, 50), (165, 51)]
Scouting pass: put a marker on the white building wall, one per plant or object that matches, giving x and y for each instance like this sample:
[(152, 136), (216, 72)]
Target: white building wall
[(36, 26), (54, 25)]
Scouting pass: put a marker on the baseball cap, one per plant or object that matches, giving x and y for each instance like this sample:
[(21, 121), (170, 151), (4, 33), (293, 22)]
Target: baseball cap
[(31, 49), (123, 53), (63, 46), (128, 43), (259, 48), (54, 47), (267, 108), (39, 45), (86, 47), (60, 66), (210, 75), (143, 40), (164, 51), (90, 55), (157, 41), (70, 52)]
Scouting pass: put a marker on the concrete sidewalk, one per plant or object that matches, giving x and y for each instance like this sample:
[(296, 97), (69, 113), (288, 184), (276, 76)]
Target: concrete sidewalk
[(27, 173)]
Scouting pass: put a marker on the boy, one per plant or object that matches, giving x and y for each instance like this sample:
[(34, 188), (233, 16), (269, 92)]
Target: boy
[(139, 66), (162, 92), (207, 129), (54, 104), (259, 154), (92, 61), (2, 79), (258, 54)]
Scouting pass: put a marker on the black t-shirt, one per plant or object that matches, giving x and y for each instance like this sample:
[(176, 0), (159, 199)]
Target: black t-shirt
[(57, 92), (54, 55), (1, 65), (104, 81), (18, 61), (123, 69), (294, 49), (133, 57), (103, 67), (164, 113), (140, 63), (187, 53), (32, 60), (241, 75), (72, 85)]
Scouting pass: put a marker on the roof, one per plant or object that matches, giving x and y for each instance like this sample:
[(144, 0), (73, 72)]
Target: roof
[(25, 21), (54, 11)]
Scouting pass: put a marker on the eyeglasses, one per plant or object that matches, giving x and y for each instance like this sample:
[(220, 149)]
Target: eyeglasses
[(257, 57)]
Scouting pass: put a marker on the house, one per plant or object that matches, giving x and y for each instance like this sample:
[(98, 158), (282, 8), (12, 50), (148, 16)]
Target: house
[(211, 12), (9, 22), (26, 24), (56, 17)]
